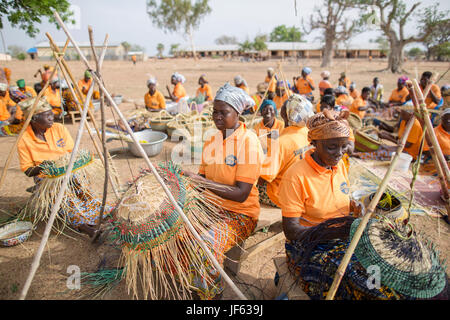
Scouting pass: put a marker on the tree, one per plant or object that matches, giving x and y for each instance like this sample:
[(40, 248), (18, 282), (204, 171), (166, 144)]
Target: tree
[(126, 46), (284, 34), (226, 40), (440, 34), (259, 44), (414, 53), (15, 51), (28, 14), (173, 48), (160, 48), (329, 18), (136, 47), (179, 16), (246, 46), (393, 16)]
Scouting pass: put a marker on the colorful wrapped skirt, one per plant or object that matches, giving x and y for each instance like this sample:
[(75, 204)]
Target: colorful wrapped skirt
[(236, 229), (7, 129), (264, 197)]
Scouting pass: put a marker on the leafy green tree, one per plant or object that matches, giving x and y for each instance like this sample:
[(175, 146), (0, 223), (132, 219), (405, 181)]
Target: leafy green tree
[(286, 34), (226, 40), (178, 16), (15, 51), (126, 46), (259, 44), (414, 52), (27, 14), (173, 48), (440, 34), (246, 46), (160, 48)]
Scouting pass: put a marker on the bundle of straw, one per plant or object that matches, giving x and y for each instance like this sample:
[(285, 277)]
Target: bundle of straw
[(159, 252)]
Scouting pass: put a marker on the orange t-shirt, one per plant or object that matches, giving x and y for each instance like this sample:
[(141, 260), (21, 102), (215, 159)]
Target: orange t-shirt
[(414, 137), (272, 84), (243, 87), (303, 86), (33, 151), (4, 113), (84, 86), (155, 101), (313, 193), (280, 100), (355, 94), (289, 146), (358, 102), (179, 91), (428, 100), (344, 100), (29, 91), (53, 97), (205, 91), (324, 84), (7, 102), (237, 158), (260, 128), (399, 96), (443, 138)]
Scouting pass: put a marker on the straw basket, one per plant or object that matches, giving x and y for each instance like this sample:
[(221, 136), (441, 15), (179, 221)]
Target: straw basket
[(355, 121), (366, 140)]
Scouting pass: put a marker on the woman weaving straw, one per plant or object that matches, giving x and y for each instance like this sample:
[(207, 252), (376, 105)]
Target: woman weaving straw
[(43, 143), (282, 153), (179, 91), (230, 168), (318, 223)]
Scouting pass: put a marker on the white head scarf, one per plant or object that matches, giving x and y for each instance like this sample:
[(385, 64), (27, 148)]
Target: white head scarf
[(325, 74), (179, 77), (151, 80), (237, 98), (239, 80), (3, 86)]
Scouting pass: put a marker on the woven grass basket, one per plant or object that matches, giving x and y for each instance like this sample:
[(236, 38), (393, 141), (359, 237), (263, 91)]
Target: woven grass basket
[(364, 142), (355, 121)]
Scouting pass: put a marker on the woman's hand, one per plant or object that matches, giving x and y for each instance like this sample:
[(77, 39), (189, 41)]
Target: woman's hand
[(357, 208)]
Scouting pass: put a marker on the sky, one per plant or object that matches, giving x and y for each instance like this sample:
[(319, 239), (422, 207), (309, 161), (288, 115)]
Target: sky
[(129, 21)]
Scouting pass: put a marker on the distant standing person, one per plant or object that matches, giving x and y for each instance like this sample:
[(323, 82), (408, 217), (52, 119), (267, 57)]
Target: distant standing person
[(133, 58)]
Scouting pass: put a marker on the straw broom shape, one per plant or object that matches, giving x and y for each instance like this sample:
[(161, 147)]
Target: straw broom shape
[(149, 163), (159, 252)]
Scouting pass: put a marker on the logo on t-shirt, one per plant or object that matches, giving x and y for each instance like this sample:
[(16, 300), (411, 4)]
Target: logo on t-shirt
[(231, 160), (61, 143), (344, 188)]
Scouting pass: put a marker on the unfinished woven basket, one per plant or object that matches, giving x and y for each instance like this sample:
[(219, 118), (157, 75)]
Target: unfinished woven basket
[(365, 141)]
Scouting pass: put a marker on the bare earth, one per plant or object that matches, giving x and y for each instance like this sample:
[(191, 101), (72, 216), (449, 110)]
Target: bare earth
[(257, 272)]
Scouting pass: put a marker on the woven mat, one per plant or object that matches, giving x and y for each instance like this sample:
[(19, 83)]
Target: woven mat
[(365, 176)]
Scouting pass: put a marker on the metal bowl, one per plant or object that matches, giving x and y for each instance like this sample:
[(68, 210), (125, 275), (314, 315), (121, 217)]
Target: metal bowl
[(14, 233), (153, 142)]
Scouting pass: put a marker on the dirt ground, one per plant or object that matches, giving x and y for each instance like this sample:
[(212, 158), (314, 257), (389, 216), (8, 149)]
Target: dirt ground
[(257, 272)]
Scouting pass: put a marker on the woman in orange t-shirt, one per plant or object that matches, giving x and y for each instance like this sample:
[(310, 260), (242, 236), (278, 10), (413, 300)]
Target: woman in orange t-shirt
[(178, 91), (318, 216), (205, 88), (230, 168)]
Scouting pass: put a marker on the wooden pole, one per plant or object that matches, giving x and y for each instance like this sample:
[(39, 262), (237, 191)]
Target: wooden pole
[(153, 169), (370, 210), (57, 204), (27, 122)]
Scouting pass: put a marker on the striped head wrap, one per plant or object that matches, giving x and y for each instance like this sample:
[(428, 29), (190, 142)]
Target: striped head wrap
[(237, 98), (298, 110), (327, 125)]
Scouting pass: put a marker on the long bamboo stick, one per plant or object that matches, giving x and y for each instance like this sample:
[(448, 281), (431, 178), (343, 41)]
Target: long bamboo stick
[(370, 210), (57, 204), (262, 99), (147, 160), (27, 122)]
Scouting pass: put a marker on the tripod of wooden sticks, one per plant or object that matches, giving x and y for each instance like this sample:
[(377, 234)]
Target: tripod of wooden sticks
[(96, 75)]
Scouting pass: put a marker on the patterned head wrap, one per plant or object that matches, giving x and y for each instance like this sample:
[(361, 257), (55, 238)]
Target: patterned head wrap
[(20, 83), (27, 104), (179, 77), (445, 112), (64, 84), (268, 102), (445, 90), (298, 110), (151, 80), (261, 87), (325, 74), (327, 125), (307, 70), (3, 86), (341, 90), (403, 79), (237, 98), (239, 80)]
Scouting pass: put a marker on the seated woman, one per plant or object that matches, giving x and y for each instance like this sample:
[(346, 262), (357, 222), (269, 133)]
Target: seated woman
[(230, 168), (53, 97), (317, 220), (204, 89), (179, 91), (269, 122), (11, 116), (442, 132), (282, 93), (354, 93), (239, 82), (154, 99), (325, 82), (285, 150), (342, 97), (271, 80), (361, 104), (44, 141)]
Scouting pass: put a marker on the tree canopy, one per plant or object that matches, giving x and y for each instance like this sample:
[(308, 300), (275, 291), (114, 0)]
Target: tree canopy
[(286, 34), (28, 14), (226, 40)]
